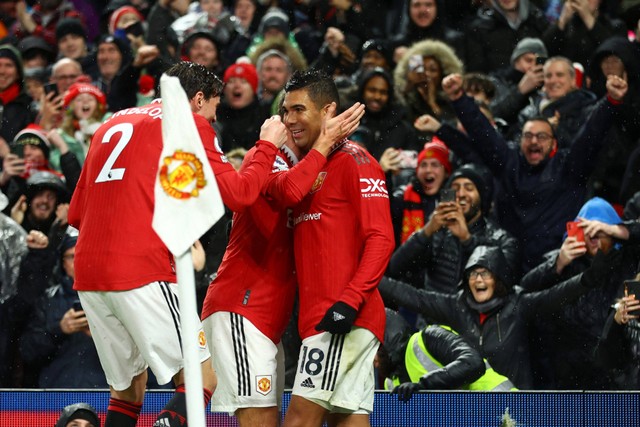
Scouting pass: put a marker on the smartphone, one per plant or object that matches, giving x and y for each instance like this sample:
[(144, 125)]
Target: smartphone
[(574, 230), (540, 60), (632, 287), (77, 306), (136, 29), (447, 195), (416, 63), (408, 159), (51, 87)]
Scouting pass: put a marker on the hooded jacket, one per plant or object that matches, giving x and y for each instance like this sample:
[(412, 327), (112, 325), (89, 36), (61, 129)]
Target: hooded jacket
[(621, 141), (502, 336), (389, 127), (491, 37), (573, 334), (408, 95), (441, 257)]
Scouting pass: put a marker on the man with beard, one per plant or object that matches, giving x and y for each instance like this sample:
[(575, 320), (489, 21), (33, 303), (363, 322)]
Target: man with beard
[(439, 251), (542, 186)]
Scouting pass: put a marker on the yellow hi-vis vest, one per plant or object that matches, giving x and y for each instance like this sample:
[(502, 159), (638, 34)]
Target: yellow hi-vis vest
[(418, 361)]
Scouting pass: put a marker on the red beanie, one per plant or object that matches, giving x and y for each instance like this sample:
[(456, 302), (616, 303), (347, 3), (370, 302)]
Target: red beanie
[(245, 71), (118, 13), (78, 88), (436, 149)]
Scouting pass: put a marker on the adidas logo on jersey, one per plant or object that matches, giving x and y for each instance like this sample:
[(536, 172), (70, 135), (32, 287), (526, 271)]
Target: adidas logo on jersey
[(337, 317), (307, 383)]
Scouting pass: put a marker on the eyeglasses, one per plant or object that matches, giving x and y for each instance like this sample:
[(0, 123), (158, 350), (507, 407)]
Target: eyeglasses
[(67, 76), (485, 274), (540, 136)]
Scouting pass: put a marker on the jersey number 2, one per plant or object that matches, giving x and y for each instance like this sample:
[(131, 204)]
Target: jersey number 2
[(108, 172)]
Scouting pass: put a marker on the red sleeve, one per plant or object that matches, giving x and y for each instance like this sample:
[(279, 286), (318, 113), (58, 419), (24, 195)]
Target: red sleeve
[(238, 190), (289, 188), (371, 204)]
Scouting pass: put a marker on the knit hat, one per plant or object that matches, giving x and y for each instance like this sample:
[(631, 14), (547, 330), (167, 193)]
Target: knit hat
[(436, 149), (528, 45), (31, 135), (119, 13), (275, 18), (146, 85), (78, 88), (381, 46), (70, 26), (78, 411), (10, 52), (481, 178), (245, 71)]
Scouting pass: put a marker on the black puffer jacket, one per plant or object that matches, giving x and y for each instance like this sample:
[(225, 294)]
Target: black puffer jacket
[(441, 258), (502, 338)]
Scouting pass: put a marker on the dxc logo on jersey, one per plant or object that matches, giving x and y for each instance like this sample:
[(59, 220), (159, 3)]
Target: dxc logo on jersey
[(372, 187)]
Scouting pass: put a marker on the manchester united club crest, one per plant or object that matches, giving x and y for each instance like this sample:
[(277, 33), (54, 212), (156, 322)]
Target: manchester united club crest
[(317, 184), (202, 339), (181, 175), (263, 384)]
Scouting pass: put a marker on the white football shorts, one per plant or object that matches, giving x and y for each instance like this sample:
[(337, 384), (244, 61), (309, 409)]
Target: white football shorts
[(136, 329), (250, 367), (336, 371)]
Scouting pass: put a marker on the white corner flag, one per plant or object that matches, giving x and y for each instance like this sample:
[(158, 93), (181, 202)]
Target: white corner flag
[(187, 204), (187, 199)]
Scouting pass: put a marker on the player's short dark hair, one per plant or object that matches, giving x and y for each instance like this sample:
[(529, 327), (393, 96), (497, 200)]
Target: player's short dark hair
[(319, 85), (196, 78)]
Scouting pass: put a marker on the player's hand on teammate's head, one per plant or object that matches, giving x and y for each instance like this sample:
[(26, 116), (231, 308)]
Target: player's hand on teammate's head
[(274, 131)]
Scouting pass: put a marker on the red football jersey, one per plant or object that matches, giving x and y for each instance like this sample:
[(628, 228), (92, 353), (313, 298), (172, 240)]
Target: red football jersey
[(343, 240), (112, 205), (256, 278)]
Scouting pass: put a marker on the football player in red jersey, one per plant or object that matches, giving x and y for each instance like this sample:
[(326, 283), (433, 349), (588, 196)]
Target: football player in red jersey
[(125, 274), (343, 239)]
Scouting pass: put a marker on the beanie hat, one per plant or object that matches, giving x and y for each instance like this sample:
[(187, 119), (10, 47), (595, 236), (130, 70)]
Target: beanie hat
[(528, 45), (436, 149), (481, 178), (10, 52), (381, 46), (70, 26), (31, 135), (274, 18), (78, 88), (245, 71), (122, 46), (119, 13), (78, 411)]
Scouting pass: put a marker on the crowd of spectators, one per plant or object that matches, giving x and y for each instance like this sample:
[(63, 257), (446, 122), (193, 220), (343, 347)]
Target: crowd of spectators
[(495, 121)]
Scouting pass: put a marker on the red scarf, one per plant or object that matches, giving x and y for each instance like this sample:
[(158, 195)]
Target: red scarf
[(412, 215), (10, 93)]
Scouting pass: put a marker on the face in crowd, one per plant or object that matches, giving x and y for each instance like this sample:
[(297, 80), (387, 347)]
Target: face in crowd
[(537, 141), (376, 94)]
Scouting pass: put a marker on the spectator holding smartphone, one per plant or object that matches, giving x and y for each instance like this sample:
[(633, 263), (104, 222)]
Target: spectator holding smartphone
[(433, 257), (564, 344), (412, 204), (57, 340)]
